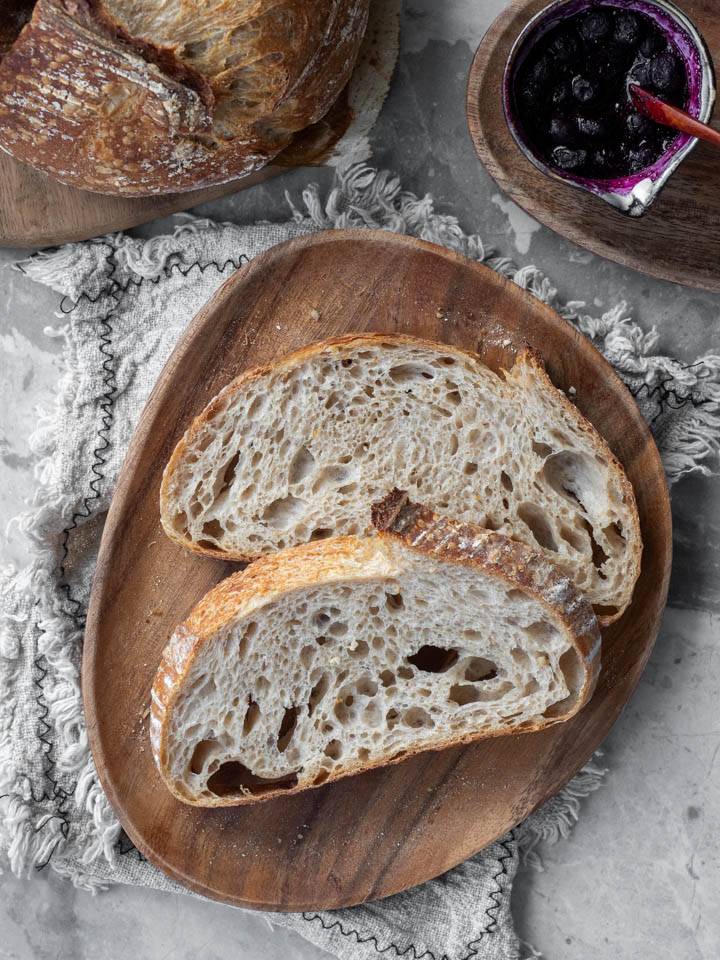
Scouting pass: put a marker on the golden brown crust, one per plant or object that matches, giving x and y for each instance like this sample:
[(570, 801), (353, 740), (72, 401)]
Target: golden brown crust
[(100, 109), (417, 528), (528, 362)]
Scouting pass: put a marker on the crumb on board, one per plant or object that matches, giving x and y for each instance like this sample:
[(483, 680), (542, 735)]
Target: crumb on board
[(314, 314), (507, 342), (572, 391)]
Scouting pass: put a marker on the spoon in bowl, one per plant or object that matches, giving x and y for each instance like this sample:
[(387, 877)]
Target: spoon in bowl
[(649, 105)]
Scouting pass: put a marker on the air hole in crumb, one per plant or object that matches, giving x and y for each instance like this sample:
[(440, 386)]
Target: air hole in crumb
[(251, 717), (537, 523), (301, 466), (287, 728), (307, 655), (317, 693), (394, 601), (201, 754), (333, 750), (490, 523), (367, 687), (208, 545), (454, 397), (338, 629), (598, 554), (573, 537), (321, 641), (363, 754), (615, 536), (519, 656), (417, 717), (360, 650), (235, 779), (387, 678), (479, 668), (321, 533), (541, 449), (405, 673), (532, 686), (280, 513), (391, 718), (433, 659), (405, 373), (506, 481), (462, 693), (470, 468), (321, 778)]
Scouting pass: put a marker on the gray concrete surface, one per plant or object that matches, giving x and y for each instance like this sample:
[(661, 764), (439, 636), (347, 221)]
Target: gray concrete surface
[(640, 876)]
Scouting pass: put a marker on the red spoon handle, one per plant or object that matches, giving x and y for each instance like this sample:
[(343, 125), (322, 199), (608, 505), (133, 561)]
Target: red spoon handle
[(671, 116)]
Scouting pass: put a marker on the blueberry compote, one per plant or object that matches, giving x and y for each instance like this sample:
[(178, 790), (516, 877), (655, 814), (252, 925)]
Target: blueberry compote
[(572, 97)]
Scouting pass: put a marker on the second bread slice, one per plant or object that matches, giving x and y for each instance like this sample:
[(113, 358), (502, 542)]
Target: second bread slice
[(332, 658)]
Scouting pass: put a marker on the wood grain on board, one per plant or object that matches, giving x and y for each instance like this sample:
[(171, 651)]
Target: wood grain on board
[(678, 239), (371, 835)]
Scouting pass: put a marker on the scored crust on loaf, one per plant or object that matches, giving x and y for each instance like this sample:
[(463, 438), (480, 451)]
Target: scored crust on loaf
[(299, 449), (138, 97), (332, 658)]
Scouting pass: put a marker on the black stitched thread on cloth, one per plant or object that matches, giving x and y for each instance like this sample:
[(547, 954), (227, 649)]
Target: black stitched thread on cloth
[(663, 395), (411, 951), (116, 291), (56, 794)]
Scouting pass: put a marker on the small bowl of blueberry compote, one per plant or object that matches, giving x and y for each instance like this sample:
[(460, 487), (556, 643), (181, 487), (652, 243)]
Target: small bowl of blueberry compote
[(567, 103)]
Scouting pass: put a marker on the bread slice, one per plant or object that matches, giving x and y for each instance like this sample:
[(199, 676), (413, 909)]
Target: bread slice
[(331, 658), (298, 450)]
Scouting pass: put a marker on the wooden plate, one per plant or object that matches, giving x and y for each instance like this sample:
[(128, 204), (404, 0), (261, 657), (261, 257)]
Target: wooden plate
[(677, 239), (381, 832)]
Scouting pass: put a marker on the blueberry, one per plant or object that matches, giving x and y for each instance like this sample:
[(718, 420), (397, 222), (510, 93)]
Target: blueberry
[(652, 42), (627, 28), (583, 90), (595, 26), (540, 73), (639, 126), (602, 159), (590, 127), (641, 157), (608, 62), (561, 130), (564, 47), (562, 93), (640, 73), (666, 72), (568, 159)]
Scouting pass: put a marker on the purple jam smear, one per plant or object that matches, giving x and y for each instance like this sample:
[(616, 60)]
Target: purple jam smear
[(571, 92)]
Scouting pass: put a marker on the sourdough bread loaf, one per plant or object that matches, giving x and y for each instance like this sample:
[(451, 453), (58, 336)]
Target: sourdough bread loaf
[(139, 97), (298, 451), (335, 657)]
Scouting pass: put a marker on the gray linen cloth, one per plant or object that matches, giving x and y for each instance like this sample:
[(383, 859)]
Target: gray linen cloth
[(126, 302)]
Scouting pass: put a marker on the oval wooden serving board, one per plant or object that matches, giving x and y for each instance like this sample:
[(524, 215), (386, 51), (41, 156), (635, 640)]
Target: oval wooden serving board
[(371, 835), (677, 239)]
